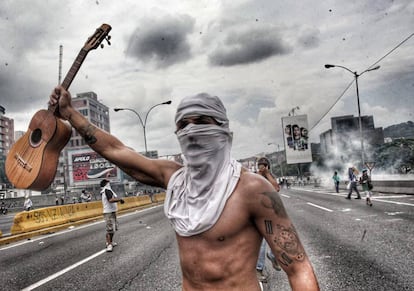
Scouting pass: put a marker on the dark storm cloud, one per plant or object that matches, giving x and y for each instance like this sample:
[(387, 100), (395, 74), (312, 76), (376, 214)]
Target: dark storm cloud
[(163, 41), (22, 85), (249, 46), (19, 93)]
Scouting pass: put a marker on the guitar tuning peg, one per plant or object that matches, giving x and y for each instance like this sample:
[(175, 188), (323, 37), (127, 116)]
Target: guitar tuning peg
[(107, 38)]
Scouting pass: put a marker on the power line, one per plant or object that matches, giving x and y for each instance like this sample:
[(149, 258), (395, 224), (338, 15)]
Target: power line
[(410, 36), (336, 101), (349, 85)]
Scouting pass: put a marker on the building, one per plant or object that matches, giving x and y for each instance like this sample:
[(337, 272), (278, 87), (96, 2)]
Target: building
[(6, 142), (98, 114), (6, 132), (343, 139)]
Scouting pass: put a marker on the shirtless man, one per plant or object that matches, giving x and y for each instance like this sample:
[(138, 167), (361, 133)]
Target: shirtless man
[(219, 211)]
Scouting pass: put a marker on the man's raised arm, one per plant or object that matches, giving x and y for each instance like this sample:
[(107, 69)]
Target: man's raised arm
[(148, 171)]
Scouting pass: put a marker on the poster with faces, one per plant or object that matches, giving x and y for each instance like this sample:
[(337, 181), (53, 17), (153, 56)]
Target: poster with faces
[(296, 139)]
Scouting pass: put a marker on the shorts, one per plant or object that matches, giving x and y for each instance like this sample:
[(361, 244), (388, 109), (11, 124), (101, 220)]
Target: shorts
[(111, 222)]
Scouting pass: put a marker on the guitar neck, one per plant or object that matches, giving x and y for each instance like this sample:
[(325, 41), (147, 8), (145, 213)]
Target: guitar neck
[(74, 69), (70, 76), (93, 42)]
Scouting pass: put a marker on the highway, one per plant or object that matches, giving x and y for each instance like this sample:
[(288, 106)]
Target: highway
[(352, 247)]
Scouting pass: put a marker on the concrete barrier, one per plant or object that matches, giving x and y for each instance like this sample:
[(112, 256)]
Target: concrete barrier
[(160, 197), (47, 217)]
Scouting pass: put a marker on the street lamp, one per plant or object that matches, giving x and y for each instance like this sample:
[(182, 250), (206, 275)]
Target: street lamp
[(144, 123), (292, 111), (356, 76)]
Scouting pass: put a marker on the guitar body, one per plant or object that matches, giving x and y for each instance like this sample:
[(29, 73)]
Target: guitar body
[(33, 159)]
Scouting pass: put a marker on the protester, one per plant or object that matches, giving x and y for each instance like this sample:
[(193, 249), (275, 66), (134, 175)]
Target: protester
[(263, 165), (28, 204), (366, 183), (219, 210), (353, 180), (336, 180), (85, 197), (109, 200)]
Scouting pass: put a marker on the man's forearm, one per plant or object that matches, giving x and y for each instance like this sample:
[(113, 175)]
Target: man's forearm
[(304, 279), (95, 137)]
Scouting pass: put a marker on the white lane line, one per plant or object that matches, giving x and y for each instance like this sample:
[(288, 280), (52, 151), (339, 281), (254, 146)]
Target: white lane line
[(284, 195), (51, 277), (320, 207), (394, 202), (378, 198)]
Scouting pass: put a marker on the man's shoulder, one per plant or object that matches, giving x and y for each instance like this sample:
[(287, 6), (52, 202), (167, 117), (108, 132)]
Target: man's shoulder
[(252, 182)]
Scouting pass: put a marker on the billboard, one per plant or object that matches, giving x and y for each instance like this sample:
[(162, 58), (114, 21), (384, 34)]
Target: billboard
[(87, 167), (295, 137)]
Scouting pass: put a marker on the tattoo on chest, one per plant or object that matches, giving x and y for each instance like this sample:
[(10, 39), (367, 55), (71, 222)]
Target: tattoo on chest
[(272, 200)]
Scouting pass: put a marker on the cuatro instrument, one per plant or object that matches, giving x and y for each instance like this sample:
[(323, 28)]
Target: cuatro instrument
[(32, 161)]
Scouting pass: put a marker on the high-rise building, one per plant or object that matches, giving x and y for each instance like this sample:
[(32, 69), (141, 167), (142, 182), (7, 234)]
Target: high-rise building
[(6, 132), (343, 139), (98, 114)]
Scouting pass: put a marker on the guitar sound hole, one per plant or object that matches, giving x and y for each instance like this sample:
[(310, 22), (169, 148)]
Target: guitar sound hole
[(36, 137)]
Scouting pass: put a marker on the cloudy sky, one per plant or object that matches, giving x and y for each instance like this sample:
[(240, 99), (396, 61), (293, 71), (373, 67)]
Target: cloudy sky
[(261, 57)]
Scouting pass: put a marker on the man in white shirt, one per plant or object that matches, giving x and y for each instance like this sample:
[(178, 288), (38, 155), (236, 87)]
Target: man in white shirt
[(109, 200)]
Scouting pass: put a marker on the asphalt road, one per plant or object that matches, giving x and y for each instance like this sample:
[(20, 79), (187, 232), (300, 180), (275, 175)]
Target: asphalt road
[(352, 247)]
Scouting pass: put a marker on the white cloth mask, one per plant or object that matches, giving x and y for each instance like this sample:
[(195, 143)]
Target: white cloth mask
[(197, 193)]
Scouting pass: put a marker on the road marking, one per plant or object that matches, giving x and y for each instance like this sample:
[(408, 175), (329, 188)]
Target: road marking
[(317, 206), (284, 195), (378, 198), (394, 202), (51, 277)]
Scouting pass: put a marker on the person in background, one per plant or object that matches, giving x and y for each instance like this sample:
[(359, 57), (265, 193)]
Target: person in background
[(28, 204), (109, 200), (219, 210), (85, 197), (263, 165), (336, 180), (366, 183), (352, 173)]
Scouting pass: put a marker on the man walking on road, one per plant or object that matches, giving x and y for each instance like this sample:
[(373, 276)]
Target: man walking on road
[(109, 200), (219, 210), (353, 181)]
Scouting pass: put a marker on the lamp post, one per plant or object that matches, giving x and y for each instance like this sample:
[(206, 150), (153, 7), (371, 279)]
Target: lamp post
[(292, 111), (356, 76), (144, 123), (278, 150)]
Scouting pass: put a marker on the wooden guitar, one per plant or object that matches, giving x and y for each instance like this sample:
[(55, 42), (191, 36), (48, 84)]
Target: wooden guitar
[(33, 159)]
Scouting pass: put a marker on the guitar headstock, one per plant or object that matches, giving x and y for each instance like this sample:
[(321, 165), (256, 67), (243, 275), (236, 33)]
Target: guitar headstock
[(100, 34)]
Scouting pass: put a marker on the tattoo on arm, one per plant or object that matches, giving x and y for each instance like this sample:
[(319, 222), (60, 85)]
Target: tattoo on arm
[(269, 227), (287, 239), (87, 132), (272, 200)]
